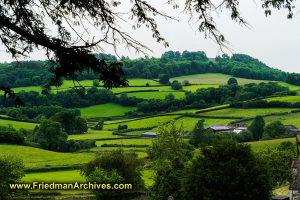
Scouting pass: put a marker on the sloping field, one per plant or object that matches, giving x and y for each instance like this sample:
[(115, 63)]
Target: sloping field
[(93, 134), (126, 142), (291, 99), (141, 81), (290, 86), (193, 88), (34, 157), (156, 95), (65, 176), (142, 123), (251, 112), (213, 78), (261, 145), (189, 123), (17, 125), (292, 118), (105, 110)]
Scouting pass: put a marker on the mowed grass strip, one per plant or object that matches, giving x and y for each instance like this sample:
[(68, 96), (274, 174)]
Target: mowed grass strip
[(156, 95), (250, 112), (35, 158), (17, 125), (213, 78), (291, 99), (93, 134), (105, 110), (142, 123)]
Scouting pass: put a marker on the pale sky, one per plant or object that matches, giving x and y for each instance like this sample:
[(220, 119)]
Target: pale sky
[(274, 40)]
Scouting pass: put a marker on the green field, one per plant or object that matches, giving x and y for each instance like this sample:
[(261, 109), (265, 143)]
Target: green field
[(105, 110), (126, 141), (156, 95), (34, 157), (292, 118), (213, 78), (291, 99), (193, 88), (65, 176), (17, 125), (261, 145), (141, 82), (290, 86), (251, 112), (189, 123), (93, 134), (141, 123)]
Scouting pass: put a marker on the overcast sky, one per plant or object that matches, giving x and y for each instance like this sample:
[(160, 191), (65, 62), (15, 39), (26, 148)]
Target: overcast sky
[(274, 40)]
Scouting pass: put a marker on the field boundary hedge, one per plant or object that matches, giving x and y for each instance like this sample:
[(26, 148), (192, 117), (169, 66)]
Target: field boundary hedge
[(212, 109), (19, 120), (212, 117)]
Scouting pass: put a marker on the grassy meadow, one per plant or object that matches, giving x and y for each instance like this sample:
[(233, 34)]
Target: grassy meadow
[(291, 99), (17, 125), (105, 110)]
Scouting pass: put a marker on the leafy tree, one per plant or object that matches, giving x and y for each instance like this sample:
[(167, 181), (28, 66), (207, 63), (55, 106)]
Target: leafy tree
[(96, 83), (279, 161), (257, 127), (49, 135), (169, 153), (176, 85), (227, 171), (186, 83), (275, 129), (71, 122), (198, 134), (114, 167), (164, 78), (11, 171), (80, 125), (99, 125), (232, 81)]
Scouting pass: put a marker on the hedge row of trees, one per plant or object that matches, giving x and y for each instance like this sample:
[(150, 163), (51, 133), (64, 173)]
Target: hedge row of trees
[(265, 104), (170, 64)]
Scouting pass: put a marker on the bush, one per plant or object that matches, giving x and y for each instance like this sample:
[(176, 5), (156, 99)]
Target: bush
[(226, 171), (122, 127), (11, 171), (114, 167), (176, 85)]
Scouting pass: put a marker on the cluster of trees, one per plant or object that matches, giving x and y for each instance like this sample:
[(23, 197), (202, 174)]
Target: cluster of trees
[(50, 135), (265, 104), (170, 64), (11, 136)]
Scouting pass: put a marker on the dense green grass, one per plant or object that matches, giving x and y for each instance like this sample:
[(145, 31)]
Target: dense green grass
[(292, 118), (126, 141), (189, 123), (141, 82), (156, 95), (291, 99), (93, 134), (193, 88), (261, 145), (251, 112), (17, 125), (65, 176), (34, 157), (105, 110), (213, 78), (141, 123), (290, 86)]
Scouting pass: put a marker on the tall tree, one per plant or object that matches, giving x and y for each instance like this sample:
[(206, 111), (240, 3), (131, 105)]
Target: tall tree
[(257, 127)]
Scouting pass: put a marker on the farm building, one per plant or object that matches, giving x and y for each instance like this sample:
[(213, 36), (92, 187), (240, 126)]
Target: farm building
[(148, 135), (226, 128), (292, 128)]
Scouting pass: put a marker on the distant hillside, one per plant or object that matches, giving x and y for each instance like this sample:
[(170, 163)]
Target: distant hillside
[(33, 73)]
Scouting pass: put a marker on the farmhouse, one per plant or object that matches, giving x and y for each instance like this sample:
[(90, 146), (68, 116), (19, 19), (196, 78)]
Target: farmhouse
[(226, 127), (292, 128), (148, 135)]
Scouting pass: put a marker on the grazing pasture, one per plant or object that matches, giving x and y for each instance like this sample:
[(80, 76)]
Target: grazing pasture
[(250, 112), (291, 99), (142, 123), (156, 95), (194, 88), (126, 142), (141, 82), (105, 110), (213, 78), (17, 125), (36, 158), (290, 86), (292, 118), (93, 134), (261, 145), (64, 176)]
